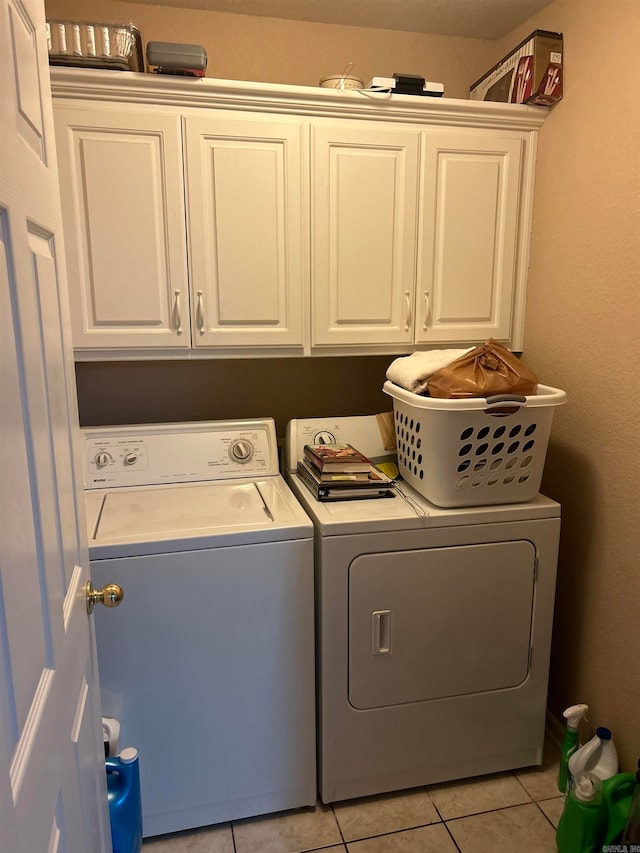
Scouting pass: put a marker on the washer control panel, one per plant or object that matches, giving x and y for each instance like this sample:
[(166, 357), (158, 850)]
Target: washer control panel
[(178, 453)]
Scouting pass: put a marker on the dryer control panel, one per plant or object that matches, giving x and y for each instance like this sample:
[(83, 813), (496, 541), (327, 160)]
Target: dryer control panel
[(366, 432), (178, 453)]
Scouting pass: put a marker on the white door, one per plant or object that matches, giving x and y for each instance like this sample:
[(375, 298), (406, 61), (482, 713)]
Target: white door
[(467, 252), (247, 230), (52, 779), (123, 208), (364, 208)]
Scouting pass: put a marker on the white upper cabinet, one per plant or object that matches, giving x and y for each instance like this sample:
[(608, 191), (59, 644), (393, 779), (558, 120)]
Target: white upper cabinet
[(415, 234), (469, 204), (365, 200), (247, 228), (217, 217), (123, 211)]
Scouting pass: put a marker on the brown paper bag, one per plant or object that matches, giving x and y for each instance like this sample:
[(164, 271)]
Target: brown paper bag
[(485, 371)]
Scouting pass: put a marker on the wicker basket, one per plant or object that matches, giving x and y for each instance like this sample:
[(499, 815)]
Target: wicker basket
[(473, 452)]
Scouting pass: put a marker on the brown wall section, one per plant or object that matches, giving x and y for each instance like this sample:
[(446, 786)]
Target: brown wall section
[(146, 392)]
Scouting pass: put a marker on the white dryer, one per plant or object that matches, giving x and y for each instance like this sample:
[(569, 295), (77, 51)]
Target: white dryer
[(208, 663), (434, 630)]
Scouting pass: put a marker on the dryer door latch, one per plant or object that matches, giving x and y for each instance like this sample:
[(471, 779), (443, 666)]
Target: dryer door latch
[(381, 632)]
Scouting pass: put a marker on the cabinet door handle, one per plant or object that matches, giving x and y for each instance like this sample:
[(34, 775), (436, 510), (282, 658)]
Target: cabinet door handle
[(200, 314), (427, 311), (407, 300), (381, 632), (177, 313)]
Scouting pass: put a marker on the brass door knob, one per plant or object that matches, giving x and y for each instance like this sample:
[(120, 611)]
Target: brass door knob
[(110, 595)]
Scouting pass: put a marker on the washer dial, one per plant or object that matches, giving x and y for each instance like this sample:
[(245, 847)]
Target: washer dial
[(241, 450), (102, 459)]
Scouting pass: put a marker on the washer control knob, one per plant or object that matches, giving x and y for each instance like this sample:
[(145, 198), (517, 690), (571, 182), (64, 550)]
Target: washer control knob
[(102, 459), (241, 450), (130, 458)]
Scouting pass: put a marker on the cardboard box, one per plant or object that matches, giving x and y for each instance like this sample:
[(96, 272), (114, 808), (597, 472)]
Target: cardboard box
[(530, 74)]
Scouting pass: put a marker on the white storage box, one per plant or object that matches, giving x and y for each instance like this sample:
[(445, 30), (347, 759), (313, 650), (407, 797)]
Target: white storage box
[(473, 452)]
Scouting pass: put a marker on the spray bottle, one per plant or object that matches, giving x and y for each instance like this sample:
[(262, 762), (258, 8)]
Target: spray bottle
[(573, 715)]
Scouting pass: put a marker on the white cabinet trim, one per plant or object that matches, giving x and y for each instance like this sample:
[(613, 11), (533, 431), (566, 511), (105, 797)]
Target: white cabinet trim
[(81, 84)]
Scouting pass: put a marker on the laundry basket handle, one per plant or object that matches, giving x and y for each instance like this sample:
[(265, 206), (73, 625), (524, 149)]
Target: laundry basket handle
[(499, 399)]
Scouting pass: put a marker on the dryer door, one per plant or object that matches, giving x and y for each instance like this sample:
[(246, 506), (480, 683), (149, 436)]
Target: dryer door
[(439, 622)]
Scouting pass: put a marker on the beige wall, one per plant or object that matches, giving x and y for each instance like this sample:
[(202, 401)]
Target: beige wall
[(582, 310), (268, 50), (582, 325)]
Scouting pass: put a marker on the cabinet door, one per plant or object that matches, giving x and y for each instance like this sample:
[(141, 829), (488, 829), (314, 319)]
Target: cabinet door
[(467, 255), (364, 208), (123, 208), (247, 230)]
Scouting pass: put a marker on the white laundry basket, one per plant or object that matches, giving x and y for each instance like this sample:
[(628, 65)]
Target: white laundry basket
[(473, 452)]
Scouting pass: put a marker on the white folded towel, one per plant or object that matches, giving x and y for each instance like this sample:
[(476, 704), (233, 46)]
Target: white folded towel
[(413, 371)]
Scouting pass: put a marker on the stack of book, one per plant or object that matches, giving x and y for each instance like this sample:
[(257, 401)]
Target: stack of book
[(338, 472)]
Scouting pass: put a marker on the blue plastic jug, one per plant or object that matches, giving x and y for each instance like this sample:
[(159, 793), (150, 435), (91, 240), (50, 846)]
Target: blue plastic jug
[(125, 806)]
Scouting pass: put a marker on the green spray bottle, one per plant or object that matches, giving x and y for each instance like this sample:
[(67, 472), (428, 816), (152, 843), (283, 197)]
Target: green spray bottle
[(572, 715)]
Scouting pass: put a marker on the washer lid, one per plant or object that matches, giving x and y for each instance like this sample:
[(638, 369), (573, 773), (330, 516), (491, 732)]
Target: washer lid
[(184, 517), (136, 513)]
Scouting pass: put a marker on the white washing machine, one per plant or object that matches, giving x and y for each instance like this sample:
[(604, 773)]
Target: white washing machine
[(434, 630), (208, 662)]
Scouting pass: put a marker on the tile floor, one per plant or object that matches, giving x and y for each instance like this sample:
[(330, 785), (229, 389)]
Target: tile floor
[(513, 811)]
